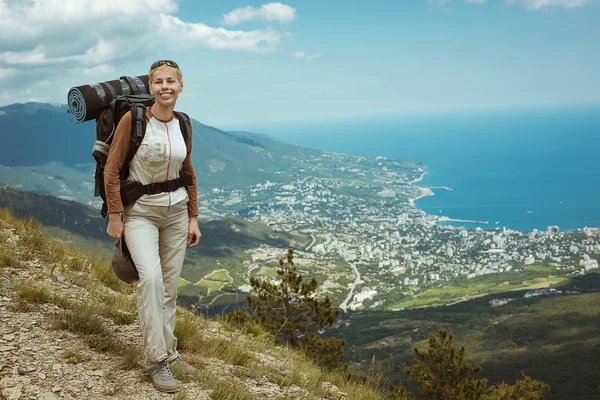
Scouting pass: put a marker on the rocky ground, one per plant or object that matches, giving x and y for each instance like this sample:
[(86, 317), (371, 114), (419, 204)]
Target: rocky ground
[(47, 352)]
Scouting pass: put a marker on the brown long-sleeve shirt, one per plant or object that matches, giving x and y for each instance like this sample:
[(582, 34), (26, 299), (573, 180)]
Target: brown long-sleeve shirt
[(152, 162)]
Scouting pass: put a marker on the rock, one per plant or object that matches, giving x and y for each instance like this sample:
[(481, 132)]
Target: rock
[(97, 373), (56, 367), (9, 337), (329, 387), (5, 348), (7, 382), (12, 382), (74, 389), (56, 389), (13, 393), (293, 391), (41, 375), (47, 396), (32, 389)]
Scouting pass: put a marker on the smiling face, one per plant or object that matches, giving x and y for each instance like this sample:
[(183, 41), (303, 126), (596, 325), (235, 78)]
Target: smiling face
[(165, 85)]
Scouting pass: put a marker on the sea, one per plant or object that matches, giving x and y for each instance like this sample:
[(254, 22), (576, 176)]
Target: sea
[(522, 169)]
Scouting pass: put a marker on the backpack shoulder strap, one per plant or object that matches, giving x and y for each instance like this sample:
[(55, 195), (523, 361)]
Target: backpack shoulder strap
[(138, 129), (185, 124)]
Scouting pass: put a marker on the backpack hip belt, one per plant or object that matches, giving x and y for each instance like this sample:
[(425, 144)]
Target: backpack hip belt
[(133, 190), (168, 186)]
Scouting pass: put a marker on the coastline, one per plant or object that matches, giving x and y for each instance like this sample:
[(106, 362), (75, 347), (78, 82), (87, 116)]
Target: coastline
[(426, 192), (419, 179), (423, 191)]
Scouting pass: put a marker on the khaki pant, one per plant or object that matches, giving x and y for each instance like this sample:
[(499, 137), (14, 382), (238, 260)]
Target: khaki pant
[(157, 239)]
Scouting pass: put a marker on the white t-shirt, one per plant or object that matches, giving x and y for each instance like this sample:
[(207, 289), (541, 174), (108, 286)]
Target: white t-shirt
[(159, 159)]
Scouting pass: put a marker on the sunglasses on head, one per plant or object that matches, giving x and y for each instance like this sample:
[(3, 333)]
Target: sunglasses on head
[(170, 63)]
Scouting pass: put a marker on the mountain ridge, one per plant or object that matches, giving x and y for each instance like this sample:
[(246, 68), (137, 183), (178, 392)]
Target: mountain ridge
[(221, 157)]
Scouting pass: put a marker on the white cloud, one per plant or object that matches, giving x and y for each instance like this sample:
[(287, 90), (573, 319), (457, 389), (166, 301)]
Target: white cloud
[(270, 12), (300, 55), (88, 37), (7, 72), (99, 70), (185, 35)]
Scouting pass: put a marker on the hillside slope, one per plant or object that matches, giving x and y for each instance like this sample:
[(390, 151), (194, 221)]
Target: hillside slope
[(36, 134), (225, 242), (68, 330), (552, 337)]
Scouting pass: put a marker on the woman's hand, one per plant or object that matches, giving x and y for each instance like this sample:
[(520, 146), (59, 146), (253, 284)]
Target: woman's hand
[(194, 234), (115, 227)]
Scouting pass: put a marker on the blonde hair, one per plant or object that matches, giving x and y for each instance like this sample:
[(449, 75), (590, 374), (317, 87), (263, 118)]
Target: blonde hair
[(165, 67)]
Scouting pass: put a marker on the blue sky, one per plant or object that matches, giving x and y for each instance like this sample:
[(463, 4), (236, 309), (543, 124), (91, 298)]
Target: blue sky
[(255, 63)]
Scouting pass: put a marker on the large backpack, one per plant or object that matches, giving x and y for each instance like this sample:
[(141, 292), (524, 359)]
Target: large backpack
[(106, 125)]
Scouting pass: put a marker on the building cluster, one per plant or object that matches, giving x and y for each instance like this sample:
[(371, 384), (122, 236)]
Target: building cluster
[(364, 215)]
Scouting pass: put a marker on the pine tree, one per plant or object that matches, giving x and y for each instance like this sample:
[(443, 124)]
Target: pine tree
[(441, 373), (293, 314), (524, 389)]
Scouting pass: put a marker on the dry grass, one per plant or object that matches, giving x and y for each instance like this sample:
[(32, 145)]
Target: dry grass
[(224, 388), (20, 306), (104, 343), (236, 355), (181, 395), (188, 331), (102, 269), (245, 345), (131, 357), (239, 323), (227, 390), (35, 293), (74, 356), (6, 259), (119, 317), (82, 318), (119, 301)]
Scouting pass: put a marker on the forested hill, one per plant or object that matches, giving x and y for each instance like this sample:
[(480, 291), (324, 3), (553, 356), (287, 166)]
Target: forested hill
[(39, 133)]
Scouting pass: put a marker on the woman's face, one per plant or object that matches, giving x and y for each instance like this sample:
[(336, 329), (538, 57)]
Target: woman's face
[(165, 87)]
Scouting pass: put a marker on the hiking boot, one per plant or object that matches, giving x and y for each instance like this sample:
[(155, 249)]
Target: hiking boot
[(183, 366), (163, 379)]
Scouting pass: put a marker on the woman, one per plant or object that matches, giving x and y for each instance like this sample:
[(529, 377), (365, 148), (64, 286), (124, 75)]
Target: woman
[(157, 226)]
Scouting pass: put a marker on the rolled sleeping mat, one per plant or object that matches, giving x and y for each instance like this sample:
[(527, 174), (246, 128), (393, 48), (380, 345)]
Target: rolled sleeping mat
[(86, 101)]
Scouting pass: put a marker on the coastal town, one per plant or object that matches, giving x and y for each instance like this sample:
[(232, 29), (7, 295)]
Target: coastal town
[(361, 234), (373, 243)]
